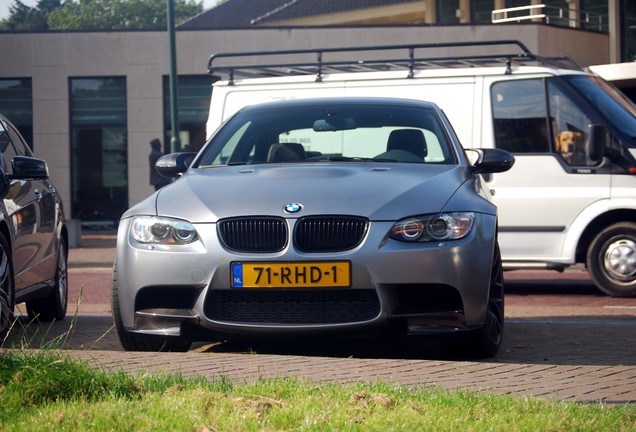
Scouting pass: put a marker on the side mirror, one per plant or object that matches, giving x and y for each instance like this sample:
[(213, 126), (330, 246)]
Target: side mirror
[(597, 142), (174, 164), (491, 160), (28, 168)]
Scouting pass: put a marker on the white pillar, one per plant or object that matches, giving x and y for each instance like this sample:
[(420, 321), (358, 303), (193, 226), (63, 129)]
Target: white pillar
[(614, 28), (574, 14)]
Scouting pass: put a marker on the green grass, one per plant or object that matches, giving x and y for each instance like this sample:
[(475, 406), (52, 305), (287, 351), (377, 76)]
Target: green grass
[(47, 391)]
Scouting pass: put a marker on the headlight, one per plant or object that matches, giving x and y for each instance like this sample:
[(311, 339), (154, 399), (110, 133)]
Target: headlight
[(443, 226), (150, 229)]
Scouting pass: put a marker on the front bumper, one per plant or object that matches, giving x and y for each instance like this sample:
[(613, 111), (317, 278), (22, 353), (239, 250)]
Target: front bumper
[(419, 288)]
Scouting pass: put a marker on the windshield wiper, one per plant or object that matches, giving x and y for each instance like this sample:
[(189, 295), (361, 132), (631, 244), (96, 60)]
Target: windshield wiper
[(236, 163), (219, 165)]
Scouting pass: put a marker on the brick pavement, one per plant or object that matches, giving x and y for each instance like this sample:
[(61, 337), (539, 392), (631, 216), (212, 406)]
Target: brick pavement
[(609, 384), (577, 346)]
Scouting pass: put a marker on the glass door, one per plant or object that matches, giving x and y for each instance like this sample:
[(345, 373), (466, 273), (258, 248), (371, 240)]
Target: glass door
[(99, 151)]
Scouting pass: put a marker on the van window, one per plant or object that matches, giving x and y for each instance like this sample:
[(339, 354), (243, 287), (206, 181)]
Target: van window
[(520, 116), (533, 117), (569, 127), (613, 105)]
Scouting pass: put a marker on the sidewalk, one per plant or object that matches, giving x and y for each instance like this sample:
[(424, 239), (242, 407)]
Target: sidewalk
[(96, 250), (607, 384)]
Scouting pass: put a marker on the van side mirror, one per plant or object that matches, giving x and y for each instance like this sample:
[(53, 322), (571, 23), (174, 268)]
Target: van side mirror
[(597, 142), (491, 160), (174, 164)]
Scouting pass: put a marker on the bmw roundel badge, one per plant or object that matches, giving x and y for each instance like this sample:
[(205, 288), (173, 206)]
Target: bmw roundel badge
[(292, 207)]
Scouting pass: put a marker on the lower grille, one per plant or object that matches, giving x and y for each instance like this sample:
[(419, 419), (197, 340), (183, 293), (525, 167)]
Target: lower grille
[(292, 306)]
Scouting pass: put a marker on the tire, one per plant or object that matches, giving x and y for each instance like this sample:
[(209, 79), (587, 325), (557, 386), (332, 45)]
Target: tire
[(53, 307), (140, 342), (485, 341), (6, 289), (611, 260)]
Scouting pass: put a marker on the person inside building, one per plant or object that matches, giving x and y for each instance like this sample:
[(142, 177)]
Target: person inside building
[(156, 179)]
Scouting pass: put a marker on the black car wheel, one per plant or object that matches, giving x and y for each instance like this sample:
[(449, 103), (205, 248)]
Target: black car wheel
[(140, 342), (6, 288), (485, 341), (611, 260), (54, 305)]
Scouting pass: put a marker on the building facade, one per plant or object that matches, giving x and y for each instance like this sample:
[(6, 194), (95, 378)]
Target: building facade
[(91, 102)]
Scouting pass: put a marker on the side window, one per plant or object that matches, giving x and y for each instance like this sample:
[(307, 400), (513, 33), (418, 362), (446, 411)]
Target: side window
[(7, 151), (4, 138), (520, 116), (569, 125), (18, 142)]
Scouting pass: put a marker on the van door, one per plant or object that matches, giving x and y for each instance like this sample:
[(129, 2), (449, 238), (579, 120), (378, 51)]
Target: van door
[(555, 178)]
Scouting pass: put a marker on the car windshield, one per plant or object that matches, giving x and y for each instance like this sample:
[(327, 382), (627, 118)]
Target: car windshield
[(323, 132)]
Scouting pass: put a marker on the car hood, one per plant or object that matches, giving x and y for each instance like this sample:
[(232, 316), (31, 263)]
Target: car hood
[(376, 191)]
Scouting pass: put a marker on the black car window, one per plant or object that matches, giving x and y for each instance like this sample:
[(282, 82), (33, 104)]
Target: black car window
[(21, 147), (7, 148), (4, 138)]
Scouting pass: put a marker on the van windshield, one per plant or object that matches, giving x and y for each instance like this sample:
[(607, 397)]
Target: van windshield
[(617, 109)]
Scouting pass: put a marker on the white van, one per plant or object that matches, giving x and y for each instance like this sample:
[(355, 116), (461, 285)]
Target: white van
[(571, 196)]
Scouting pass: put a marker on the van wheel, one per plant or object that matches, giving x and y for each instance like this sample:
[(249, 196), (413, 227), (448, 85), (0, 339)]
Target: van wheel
[(53, 306), (485, 341), (611, 260), (6, 289), (140, 342)]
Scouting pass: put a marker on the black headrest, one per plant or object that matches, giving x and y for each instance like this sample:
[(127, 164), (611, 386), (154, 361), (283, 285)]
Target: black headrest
[(411, 140)]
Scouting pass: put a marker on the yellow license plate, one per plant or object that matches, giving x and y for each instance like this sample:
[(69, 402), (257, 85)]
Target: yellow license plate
[(291, 274)]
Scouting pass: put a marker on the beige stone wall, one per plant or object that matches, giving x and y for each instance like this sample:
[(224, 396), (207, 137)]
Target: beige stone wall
[(143, 58)]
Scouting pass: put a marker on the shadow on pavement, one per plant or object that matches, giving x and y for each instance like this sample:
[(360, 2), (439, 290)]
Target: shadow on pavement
[(581, 341), (575, 341), (73, 333), (560, 287), (552, 319)]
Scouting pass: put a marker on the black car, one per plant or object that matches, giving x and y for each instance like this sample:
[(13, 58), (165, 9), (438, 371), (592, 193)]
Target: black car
[(33, 237)]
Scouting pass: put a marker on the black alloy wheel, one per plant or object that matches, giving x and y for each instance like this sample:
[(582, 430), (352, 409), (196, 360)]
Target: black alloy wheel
[(53, 307), (6, 289)]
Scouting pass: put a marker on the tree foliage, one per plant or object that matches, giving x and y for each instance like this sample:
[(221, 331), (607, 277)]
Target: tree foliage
[(22, 17), (96, 14)]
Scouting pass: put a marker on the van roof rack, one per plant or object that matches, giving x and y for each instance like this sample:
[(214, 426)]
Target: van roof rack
[(320, 61)]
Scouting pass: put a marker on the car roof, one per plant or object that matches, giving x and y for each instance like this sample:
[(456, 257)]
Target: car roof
[(340, 101)]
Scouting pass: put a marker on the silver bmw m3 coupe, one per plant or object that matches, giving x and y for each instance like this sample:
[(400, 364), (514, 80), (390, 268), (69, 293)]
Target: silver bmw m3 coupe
[(326, 216)]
